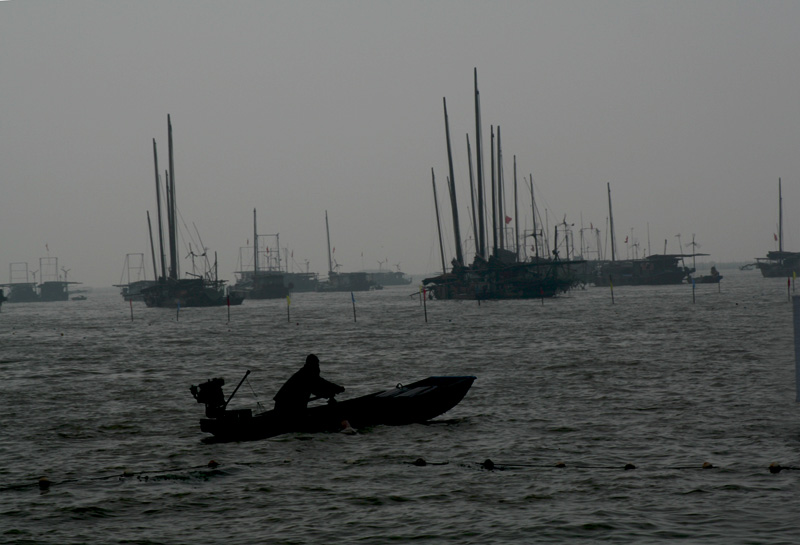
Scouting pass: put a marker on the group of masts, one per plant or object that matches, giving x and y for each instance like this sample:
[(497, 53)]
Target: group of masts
[(171, 207), (501, 247)]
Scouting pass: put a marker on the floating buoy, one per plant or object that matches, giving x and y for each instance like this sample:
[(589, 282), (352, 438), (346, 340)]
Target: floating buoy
[(127, 473), (629, 466), (44, 483), (420, 462), (488, 464), (775, 467), (708, 465), (561, 464), (213, 464)]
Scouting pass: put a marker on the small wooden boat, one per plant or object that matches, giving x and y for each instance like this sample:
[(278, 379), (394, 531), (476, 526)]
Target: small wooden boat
[(417, 402)]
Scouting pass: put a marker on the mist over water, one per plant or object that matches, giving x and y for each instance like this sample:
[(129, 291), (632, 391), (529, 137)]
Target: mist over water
[(100, 405)]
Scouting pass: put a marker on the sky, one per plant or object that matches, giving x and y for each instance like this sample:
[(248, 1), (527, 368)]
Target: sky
[(689, 110)]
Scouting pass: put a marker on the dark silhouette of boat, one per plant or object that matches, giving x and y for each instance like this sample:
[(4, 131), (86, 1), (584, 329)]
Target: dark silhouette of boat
[(499, 272), (389, 278), (713, 278), (417, 402), (344, 281), (780, 263), (133, 271), (653, 270), (53, 286), (170, 290), (265, 280)]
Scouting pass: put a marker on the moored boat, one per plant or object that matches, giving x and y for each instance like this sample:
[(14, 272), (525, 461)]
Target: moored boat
[(343, 281), (417, 402), (712, 278), (202, 289), (779, 263)]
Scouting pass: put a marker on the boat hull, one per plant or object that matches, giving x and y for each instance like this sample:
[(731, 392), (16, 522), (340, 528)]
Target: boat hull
[(415, 403), (188, 293)]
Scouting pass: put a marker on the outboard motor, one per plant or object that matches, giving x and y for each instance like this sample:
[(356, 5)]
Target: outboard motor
[(210, 393)]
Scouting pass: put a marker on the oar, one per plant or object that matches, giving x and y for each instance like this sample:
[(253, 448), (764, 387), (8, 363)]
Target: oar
[(237, 389)]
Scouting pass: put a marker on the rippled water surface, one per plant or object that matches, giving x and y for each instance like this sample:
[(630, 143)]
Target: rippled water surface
[(100, 405)]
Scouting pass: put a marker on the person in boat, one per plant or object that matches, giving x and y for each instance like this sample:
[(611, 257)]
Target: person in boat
[(292, 399)]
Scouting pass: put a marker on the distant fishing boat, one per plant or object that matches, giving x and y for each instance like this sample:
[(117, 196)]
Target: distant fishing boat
[(780, 263), (134, 272), (496, 272), (170, 290), (389, 278), (264, 281), (713, 278), (53, 285), (349, 281), (653, 270)]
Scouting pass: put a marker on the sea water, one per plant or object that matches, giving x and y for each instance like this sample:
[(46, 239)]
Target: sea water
[(95, 398)]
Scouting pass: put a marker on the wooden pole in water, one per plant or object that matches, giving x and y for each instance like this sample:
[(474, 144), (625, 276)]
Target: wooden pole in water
[(424, 304), (288, 314), (789, 288), (178, 312), (693, 290), (228, 300), (611, 285), (353, 297), (131, 302)]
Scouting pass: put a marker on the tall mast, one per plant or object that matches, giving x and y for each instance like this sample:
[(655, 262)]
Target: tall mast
[(516, 212), (780, 217), (328, 231), (158, 205), (611, 220), (152, 248), (533, 210), (479, 155), (494, 199), (255, 246), (174, 272), (501, 214), (472, 198), (278, 244), (170, 219), (459, 254), (438, 222)]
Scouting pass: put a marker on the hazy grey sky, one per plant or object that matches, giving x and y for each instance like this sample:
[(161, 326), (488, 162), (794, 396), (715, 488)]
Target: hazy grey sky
[(691, 110)]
